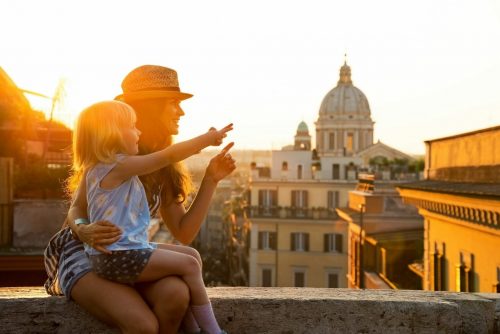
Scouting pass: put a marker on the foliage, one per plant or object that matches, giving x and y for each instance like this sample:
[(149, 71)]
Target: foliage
[(417, 165), (37, 180)]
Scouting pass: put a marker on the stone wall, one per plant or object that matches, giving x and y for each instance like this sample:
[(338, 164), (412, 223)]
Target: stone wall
[(36, 221), (282, 310)]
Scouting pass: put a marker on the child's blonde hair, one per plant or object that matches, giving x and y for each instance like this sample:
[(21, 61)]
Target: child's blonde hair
[(98, 137)]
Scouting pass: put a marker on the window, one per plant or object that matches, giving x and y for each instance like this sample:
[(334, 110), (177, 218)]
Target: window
[(465, 273), (439, 262), (333, 243), (332, 199), (350, 142), (299, 198), (335, 171), (333, 280), (299, 278), (284, 166), (267, 275), (331, 141), (267, 240), (268, 200), (268, 197), (299, 172), (299, 242), (299, 203)]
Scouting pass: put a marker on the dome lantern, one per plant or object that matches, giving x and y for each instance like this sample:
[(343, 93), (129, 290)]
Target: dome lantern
[(345, 74)]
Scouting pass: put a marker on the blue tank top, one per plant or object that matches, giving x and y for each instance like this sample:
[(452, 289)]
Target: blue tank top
[(125, 206)]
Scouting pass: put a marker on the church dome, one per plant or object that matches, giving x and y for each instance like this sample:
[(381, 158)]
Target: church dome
[(302, 128), (344, 98)]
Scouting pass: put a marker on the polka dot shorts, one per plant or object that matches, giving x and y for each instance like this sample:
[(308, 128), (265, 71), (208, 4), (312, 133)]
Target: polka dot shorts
[(121, 266)]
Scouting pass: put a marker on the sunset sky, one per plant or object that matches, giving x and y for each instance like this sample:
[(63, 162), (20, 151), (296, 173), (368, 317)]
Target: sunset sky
[(428, 68)]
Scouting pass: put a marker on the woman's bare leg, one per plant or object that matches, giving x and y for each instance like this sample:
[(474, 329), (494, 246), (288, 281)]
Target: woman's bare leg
[(115, 304), (169, 300)]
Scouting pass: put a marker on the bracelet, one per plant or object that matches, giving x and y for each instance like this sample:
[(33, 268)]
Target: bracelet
[(80, 221)]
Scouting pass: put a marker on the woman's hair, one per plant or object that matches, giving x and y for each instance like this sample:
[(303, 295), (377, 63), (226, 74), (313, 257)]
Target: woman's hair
[(98, 137), (172, 182)]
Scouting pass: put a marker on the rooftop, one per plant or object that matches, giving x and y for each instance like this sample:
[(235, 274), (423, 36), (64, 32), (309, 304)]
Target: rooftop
[(461, 188)]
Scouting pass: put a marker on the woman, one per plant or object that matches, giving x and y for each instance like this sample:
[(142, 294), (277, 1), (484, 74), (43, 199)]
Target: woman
[(153, 91)]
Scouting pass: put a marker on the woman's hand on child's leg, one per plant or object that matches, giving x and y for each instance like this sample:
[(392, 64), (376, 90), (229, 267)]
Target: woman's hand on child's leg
[(99, 235)]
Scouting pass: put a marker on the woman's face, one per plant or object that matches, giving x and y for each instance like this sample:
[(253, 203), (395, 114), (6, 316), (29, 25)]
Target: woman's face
[(170, 116)]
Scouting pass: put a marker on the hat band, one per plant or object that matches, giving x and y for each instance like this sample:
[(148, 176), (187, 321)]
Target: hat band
[(167, 89)]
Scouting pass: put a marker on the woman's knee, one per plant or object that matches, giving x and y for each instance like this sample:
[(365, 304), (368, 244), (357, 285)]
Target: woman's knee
[(170, 295)]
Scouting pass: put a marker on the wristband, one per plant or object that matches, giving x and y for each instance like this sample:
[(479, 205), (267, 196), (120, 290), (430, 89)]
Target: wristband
[(80, 221)]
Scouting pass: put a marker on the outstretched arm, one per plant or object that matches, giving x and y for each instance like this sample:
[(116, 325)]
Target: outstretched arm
[(184, 225), (146, 164)]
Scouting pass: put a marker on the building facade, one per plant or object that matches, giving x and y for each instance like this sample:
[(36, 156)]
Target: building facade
[(460, 203), (385, 236)]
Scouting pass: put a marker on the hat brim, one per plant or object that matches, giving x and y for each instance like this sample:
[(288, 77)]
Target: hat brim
[(152, 94)]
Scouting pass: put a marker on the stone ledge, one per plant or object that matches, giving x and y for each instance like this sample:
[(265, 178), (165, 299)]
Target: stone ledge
[(282, 310)]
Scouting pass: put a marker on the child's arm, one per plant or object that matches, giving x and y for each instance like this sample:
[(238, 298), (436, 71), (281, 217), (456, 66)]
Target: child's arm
[(185, 225), (146, 164), (98, 234)]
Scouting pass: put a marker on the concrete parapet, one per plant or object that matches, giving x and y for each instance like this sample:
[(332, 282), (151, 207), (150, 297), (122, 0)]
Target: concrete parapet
[(282, 310)]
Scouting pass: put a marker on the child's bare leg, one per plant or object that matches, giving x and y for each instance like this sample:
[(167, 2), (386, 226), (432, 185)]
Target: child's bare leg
[(189, 323), (182, 249), (164, 263)]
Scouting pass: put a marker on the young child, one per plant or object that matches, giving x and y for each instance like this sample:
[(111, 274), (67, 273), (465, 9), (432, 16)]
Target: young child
[(105, 146)]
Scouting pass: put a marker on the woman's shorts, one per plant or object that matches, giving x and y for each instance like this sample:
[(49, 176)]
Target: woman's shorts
[(73, 264), (123, 266)]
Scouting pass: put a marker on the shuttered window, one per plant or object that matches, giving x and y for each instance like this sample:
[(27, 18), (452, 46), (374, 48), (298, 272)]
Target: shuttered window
[(332, 199), (299, 279), (267, 277), (333, 242), (300, 198), (299, 242), (333, 280), (267, 240)]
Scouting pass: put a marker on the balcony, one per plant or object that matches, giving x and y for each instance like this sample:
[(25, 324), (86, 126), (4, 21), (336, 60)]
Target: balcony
[(282, 310), (290, 212)]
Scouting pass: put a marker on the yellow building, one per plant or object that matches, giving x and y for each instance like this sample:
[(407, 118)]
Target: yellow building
[(296, 239), (460, 203)]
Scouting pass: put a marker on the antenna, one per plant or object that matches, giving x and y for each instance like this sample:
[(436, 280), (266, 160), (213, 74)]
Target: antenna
[(56, 99)]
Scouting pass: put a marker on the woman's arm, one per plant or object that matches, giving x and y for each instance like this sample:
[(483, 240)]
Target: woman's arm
[(98, 234), (184, 225), (146, 164)]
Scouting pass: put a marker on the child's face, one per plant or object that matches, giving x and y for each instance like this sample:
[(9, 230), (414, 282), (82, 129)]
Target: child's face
[(130, 137), (171, 114)]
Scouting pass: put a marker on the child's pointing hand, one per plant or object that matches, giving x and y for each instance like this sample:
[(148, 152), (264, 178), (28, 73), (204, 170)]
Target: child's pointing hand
[(217, 136)]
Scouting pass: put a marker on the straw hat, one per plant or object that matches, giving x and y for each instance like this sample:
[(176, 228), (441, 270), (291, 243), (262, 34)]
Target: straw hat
[(150, 82)]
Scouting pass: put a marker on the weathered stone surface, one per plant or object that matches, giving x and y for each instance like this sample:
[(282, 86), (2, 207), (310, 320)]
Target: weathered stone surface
[(281, 310), (494, 297)]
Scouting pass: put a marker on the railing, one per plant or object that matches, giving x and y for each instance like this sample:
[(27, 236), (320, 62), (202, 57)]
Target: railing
[(291, 212)]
